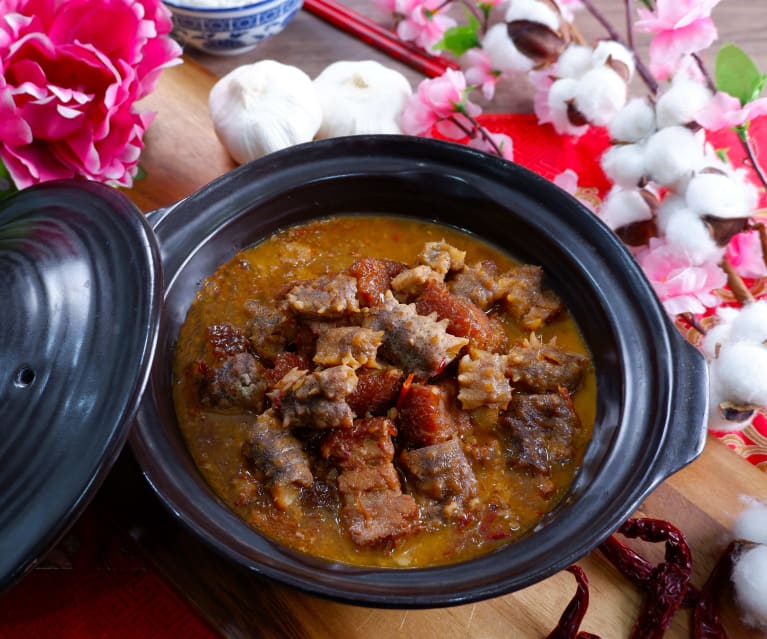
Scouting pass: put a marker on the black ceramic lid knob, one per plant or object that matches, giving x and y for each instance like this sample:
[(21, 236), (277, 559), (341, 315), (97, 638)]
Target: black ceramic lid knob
[(80, 295)]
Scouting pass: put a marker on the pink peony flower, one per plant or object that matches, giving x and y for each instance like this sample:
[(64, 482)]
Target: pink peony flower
[(479, 71), (744, 252), (682, 27), (70, 72), (681, 287), (724, 111), (422, 21), (435, 101)]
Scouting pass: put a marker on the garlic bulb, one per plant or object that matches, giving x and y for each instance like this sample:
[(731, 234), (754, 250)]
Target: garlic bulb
[(263, 107), (360, 97)]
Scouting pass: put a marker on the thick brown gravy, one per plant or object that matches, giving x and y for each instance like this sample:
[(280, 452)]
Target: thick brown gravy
[(516, 483)]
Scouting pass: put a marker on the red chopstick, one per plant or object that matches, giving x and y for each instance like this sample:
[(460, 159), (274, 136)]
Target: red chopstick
[(379, 37)]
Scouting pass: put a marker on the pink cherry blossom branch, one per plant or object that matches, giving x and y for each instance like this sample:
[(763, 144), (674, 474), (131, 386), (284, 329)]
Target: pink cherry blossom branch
[(745, 141), (629, 24), (642, 70), (706, 75), (476, 128)]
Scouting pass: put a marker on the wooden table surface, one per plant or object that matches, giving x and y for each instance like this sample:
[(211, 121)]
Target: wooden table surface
[(183, 154)]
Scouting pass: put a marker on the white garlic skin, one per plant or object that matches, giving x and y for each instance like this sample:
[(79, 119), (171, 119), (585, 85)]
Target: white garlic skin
[(264, 107), (360, 97)]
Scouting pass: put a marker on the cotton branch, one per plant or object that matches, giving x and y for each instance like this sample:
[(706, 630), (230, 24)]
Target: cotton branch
[(642, 70)]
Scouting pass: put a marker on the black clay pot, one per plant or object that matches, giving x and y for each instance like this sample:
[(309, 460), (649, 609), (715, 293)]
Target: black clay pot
[(652, 385)]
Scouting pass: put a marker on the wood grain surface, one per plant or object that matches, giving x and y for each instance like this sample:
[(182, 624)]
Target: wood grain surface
[(182, 154)]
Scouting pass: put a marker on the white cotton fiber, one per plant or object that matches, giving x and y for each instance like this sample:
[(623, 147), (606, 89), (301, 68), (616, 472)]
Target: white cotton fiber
[(668, 207), (750, 325), (534, 11), (600, 95), (560, 93), (504, 56), (622, 207), (624, 164), (719, 333), (749, 576), (607, 49), (688, 234), (681, 103), (740, 370), (574, 61), (719, 195), (751, 524), (634, 122), (672, 155)]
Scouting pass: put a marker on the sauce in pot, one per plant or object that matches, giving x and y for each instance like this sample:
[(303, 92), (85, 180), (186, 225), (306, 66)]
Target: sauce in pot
[(383, 392)]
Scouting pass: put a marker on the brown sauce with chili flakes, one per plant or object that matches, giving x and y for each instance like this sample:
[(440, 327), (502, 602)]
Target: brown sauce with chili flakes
[(383, 392)]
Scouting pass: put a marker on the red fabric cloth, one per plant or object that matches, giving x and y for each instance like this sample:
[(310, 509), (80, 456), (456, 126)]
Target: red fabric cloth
[(95, 585)]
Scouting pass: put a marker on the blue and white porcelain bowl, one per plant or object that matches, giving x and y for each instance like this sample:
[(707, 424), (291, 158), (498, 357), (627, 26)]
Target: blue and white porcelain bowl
[(229, 29)]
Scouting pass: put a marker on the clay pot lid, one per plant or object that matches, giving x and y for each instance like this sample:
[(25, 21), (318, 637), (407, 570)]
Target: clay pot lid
[(81, 291)]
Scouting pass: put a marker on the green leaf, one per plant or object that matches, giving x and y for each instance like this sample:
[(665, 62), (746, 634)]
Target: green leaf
[(459, 39), (7, 187), (737, 74)]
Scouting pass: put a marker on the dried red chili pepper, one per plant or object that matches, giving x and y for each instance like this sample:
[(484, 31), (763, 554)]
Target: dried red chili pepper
[(706, 623), (570, 621), (637, 569), (669, 581)]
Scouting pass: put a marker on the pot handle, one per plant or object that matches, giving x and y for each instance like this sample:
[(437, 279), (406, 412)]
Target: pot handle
[(688, 421)]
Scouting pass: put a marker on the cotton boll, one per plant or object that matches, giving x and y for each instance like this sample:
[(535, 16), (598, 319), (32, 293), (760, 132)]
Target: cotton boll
[(610, 49), (574, 62), (634, 122), (716, 417), (751, 524), (600, 95), (749, 576), (534, 11), (681, 103), (740, 369), (624, 164), (720, 332), (686, 232), (719, 195), (672, 155), (668, 207), (622, 207), (750, 325), (504, 56), (561, 93), (360, 97)]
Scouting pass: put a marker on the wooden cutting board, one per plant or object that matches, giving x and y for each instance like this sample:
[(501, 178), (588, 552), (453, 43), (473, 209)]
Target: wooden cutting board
[(182, 154)]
